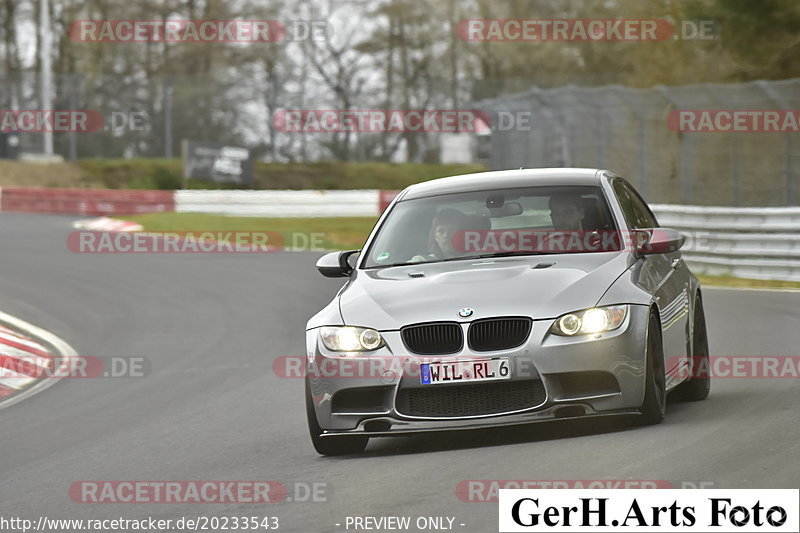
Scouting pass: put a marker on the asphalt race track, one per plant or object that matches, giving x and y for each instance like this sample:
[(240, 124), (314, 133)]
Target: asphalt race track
[(212, 409)]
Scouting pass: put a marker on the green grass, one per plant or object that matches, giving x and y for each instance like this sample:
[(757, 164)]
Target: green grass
[(337, 233), (730, 281)]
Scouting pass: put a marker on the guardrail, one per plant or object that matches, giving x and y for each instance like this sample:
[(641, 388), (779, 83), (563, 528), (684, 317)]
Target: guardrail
[(746, 242), (85, 201), (334, 203), (749, 242)]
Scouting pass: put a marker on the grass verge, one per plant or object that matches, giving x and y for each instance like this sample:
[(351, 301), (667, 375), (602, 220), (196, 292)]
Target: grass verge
[(730, 281), (336, 233)]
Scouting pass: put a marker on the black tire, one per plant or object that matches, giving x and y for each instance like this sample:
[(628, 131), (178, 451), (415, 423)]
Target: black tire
[(339, 445), (654, 404), (697, 387)]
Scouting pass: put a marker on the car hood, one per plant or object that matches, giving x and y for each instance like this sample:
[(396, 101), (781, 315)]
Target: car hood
[(540, 287)]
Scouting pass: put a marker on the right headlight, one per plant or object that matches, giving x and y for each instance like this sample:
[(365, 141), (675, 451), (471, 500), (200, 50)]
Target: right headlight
[(590, 321), (350, 339)]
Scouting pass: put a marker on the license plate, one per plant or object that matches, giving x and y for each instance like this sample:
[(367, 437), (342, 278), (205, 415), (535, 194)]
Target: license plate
[(463, 371)]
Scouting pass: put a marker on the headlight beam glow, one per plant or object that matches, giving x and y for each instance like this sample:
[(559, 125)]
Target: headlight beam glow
[(590, 321), (350, 339)]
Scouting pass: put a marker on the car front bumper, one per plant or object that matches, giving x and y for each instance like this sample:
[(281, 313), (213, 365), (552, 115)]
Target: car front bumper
[(583, 376)]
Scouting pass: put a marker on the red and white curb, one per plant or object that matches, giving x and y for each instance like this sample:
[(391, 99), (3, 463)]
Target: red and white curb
[(106, 224), (42, 352)]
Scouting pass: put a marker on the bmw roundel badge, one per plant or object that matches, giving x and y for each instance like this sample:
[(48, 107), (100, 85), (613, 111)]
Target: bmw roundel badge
[(465, 312)]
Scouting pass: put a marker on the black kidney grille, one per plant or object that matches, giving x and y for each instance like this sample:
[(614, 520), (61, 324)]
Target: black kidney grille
[(498, 333), (470, 400), (433, 339)]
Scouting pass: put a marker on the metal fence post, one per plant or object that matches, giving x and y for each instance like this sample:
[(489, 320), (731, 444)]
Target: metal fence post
[(789, 187), (687, 193), (168, 118)]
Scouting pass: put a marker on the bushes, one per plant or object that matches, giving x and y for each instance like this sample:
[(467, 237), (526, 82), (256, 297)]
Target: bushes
[(167, 174), (339, 175), (164, 174)]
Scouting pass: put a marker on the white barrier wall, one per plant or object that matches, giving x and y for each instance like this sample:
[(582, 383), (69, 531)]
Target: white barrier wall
[(354, 203), (747, 242), (728, 219), (760, 243)]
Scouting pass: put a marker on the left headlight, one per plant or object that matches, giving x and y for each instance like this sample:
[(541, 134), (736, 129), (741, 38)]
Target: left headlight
[(350, 339), (589, 321)]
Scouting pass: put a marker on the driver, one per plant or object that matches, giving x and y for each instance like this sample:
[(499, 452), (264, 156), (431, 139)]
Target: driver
[(566, 212), (440, 244), (567, 215)]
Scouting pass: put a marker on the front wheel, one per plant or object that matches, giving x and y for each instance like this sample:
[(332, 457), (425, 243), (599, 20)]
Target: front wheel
[(339, 445), (698, 385), (654, 404)]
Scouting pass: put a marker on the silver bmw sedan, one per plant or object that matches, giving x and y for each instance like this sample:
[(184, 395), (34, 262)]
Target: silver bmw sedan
[(504, 298)]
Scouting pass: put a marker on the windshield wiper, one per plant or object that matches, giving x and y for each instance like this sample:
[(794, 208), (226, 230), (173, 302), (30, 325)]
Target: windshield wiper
[(508, 254), (487, 256), (459, 258), (408, 263)]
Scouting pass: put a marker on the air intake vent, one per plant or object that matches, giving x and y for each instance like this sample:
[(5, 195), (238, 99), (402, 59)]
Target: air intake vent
[(433, 339), (470, 400), (498, 333)]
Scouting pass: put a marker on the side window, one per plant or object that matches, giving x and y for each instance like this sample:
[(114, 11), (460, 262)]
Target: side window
[(636, 212)]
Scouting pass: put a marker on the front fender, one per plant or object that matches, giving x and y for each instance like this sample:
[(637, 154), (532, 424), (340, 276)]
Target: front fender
[(629, 288)]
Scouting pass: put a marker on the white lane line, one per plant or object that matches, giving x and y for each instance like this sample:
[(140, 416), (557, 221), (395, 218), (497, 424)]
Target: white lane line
[(60, 348)]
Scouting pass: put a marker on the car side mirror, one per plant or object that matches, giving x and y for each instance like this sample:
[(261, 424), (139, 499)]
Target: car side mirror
[(336, 264), (658, 241)]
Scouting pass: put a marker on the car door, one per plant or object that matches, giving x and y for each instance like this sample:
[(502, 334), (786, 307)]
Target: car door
[(669, 275)]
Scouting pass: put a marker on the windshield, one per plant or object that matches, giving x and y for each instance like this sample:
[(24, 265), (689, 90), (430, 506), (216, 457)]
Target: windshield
[(494, 223)]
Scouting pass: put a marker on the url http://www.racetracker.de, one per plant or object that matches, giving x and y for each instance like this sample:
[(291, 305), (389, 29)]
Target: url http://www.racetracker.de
[(45, 524)]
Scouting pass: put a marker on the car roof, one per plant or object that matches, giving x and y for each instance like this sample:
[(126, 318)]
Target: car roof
[(504, 179)]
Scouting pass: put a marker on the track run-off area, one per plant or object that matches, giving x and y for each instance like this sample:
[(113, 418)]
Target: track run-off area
[(210, 407)]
